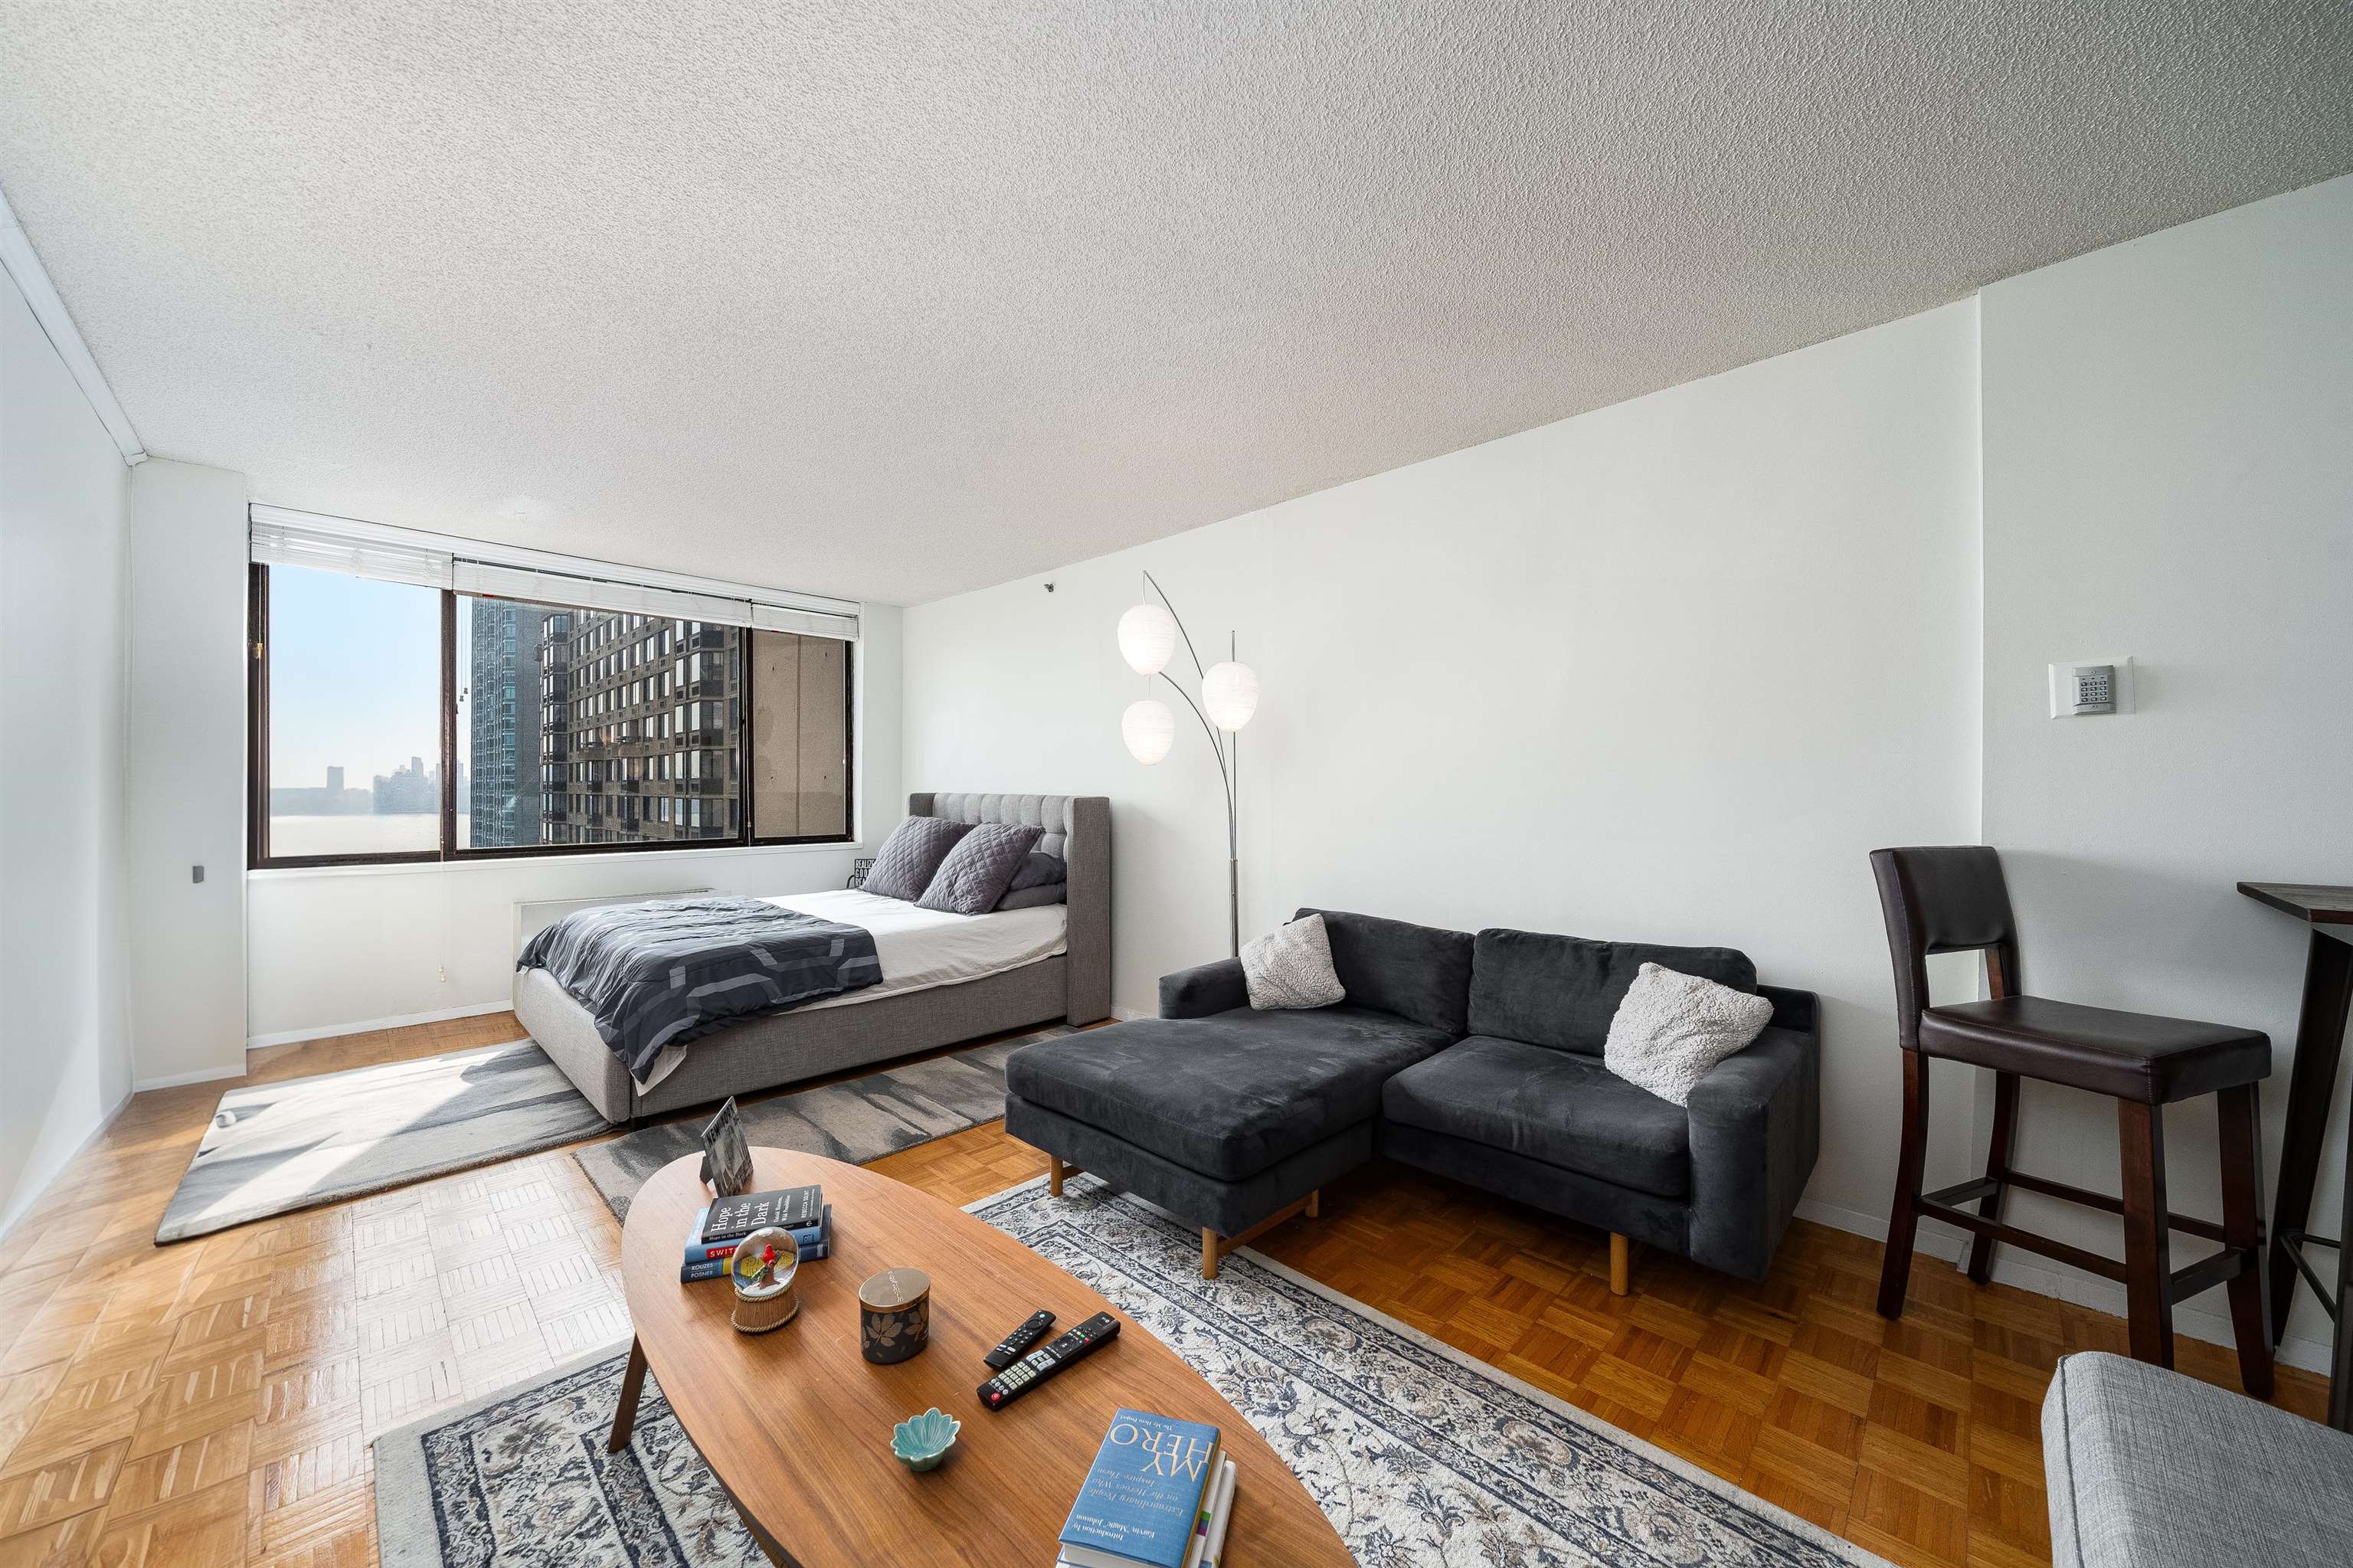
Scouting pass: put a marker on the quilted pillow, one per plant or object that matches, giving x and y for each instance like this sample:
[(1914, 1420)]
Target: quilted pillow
[(911, 856), (977, 870), (1673, 1028), (1290, 966)]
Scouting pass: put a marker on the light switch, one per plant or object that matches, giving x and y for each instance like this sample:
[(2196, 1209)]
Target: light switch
[(2081, 689)]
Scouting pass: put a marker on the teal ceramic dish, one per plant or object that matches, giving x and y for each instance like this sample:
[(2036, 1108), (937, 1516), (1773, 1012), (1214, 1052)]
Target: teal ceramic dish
[(923, 1441)]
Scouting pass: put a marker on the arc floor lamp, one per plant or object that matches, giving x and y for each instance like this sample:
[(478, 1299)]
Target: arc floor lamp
[(1148, 634)]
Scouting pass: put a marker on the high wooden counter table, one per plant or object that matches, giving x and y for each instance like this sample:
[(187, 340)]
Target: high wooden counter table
[(2311, 1091), (797, 1425)]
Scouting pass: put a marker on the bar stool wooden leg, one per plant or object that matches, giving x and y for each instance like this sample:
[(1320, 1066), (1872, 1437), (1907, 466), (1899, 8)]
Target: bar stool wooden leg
[(2311, 1092), (1997, 1169), (2148, 1306), (2241, 1126), (1904, 1222)]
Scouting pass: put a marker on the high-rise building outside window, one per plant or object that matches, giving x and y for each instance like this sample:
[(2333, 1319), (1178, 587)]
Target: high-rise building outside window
[(564, 729)]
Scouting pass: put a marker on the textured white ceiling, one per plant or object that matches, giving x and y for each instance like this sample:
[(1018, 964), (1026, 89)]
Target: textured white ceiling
[(893, 299)]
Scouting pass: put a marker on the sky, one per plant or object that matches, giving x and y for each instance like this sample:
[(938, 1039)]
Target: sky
[(354, 677)]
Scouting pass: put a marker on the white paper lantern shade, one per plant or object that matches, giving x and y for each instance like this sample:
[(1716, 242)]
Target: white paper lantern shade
[(1147, 638), (1229, 695), (1149, 729)]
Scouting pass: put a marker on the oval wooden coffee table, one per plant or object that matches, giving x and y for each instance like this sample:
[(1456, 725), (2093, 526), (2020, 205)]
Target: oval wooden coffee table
[(797, 1425)]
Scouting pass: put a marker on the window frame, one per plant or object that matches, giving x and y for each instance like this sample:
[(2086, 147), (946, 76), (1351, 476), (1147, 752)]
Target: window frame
[(259, 858)]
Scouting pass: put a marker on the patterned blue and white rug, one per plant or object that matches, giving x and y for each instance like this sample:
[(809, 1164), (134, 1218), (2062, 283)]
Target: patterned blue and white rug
[(1419, 1456)]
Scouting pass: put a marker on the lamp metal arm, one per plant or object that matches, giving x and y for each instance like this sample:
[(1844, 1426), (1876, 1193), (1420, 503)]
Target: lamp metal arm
[(1232, 837)]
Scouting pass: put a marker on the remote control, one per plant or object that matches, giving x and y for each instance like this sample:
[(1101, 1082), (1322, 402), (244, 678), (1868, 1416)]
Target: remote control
[(1033, 1329), (1044, 1363)]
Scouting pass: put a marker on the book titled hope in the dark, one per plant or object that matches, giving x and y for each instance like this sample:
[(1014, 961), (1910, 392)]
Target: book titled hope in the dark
[(732, 1219)]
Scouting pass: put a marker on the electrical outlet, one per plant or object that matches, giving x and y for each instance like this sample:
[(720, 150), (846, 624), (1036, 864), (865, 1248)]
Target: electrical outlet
[(442, 974)]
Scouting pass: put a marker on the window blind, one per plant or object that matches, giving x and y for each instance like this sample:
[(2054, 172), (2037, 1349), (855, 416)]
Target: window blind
[(597, 593), (323, 550), (806, 622), (285, 538)]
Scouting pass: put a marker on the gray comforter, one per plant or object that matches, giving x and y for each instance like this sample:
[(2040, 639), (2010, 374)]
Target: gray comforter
[(659, 974)]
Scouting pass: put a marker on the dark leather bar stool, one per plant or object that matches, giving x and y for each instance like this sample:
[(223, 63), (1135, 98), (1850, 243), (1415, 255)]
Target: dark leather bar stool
[(1949, 900)]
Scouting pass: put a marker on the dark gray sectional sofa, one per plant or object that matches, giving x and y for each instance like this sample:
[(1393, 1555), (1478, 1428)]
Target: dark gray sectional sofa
[(1476, 1057)]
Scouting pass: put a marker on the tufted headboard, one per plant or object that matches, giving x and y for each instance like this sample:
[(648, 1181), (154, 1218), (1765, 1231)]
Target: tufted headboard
[(1078, 828)]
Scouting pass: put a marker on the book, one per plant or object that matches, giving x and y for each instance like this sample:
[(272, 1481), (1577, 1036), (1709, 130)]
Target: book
[(1141, 1501), (1221, 1513), (734, 1218), (1208, 1543), (702, 1261), (700, 1248), (716, 1267)]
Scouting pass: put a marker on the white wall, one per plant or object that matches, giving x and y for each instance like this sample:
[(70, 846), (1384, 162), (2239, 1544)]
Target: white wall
[(186, 786), (64, 1024), (343, 947), (1665, 671), (2168, 474)]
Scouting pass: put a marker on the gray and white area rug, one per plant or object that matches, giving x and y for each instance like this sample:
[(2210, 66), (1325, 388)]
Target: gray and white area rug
[(855, 1120), (274, 1147), (1418, 1455)]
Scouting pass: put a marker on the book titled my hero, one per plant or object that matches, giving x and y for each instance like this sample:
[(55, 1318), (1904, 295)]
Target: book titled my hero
[(1142, 1495)]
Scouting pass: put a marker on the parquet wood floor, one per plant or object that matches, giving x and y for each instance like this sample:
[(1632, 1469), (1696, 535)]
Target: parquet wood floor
[(211, 1404)]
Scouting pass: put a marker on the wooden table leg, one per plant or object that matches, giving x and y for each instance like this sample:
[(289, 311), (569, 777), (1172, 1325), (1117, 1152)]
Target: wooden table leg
[(2311, 1093), (2340, 1359), (625, 1412)]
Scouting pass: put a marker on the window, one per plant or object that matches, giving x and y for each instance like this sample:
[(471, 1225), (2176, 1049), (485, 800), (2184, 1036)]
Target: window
[(557, 727), (351, 753), (800, 736)]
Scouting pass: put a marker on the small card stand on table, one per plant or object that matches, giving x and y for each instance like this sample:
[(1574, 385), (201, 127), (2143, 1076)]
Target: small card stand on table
[(2311, 1093)]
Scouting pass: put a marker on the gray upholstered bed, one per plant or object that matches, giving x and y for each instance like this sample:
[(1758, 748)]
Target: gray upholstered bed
[(786, 1047)]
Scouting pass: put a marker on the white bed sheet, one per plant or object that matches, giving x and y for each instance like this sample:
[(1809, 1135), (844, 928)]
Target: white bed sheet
[(919, 948)]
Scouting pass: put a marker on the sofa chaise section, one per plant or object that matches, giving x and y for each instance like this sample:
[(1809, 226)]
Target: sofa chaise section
[(1233, 1120)]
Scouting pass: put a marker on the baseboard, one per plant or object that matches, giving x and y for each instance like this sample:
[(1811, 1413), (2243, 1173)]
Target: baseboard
[(2191, 1320), (25, 1205), (330, 1031), (1936, 1240), (2013, 1268), (201, 1075), (1129, 1014)]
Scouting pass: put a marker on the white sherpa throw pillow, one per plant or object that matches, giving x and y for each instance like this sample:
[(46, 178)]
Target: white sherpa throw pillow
[(1290, 966), (1672, 1028)]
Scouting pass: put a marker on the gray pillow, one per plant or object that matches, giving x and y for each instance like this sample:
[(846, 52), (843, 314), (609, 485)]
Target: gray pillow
[(974, 874), (1032, 898), (911, 856), (1041, 867)]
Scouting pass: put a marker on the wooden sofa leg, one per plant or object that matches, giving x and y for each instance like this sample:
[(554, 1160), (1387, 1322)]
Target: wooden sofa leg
[(1619, 1267), (1055, 1171), (1215, 1246)]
